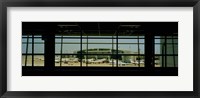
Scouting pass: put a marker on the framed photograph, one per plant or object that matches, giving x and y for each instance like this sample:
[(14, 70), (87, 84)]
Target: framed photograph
[(131, 48)]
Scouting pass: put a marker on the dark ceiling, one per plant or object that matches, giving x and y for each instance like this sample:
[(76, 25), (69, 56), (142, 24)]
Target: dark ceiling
[(99, 28)]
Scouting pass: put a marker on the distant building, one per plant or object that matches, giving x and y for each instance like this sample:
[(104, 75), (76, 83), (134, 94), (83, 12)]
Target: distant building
[(108, 54)]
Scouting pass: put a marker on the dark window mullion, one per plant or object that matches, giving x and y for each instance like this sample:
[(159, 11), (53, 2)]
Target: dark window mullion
[(138, 51), (112, 51), (163, 46), (27, 42), (87, 53), (166, 55), (165, 51), (34, 54), (83, 43), (93, 38), (117, 48), (32, 50), (81, 54), (149, 50), (61, 48), (173, 51)]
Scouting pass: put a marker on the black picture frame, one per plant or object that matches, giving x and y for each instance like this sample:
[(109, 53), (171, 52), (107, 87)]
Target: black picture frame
[(98, 3)]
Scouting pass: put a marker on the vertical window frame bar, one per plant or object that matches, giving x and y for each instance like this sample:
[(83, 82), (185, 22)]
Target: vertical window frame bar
[(81, 54), (32, 50), (138, 51), (173, 51), (87, 53), (165, 50), (117, 48), (61, 50), (112, 51), (27, 44)]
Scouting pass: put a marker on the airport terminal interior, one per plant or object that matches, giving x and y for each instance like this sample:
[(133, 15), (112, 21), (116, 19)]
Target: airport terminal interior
[(100, 44)]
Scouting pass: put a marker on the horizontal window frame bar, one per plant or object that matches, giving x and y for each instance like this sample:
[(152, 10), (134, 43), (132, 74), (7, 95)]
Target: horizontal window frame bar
[(88, 38), (165, 54), (94, 43), (102, 37), (114, 37), (83, 54), (167, 43), (79, 43)]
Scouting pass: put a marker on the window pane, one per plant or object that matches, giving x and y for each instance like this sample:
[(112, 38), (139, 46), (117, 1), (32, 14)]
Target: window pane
[(158, 62), (27, 60), (131, 61), (141, 37), (166, 61), (157, 41), (38, 60), (129, 37), (127, 41), (100, 45), (57, 48), (39, 40), (97, 61), (141, 49), (23, 48), (176, 61), (67, 60), (39, 48), (128, 48), (158, 49), (58, 40), (70, 48), (131, 46), (71, 45), (175, 48), (172, 61), (29, 48)]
